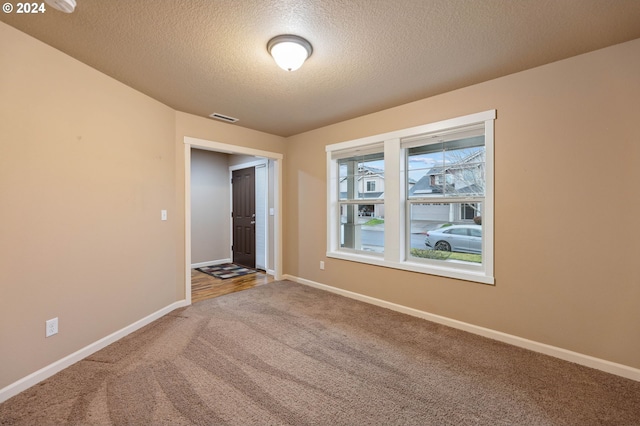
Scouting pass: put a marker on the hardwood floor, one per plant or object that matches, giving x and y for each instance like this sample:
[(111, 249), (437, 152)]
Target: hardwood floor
[(205, 286)]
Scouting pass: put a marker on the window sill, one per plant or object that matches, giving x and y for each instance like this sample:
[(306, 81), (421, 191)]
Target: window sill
[(442, 271)]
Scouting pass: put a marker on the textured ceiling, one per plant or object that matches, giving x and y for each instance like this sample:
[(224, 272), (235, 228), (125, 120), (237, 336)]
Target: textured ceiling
[(205, 56)]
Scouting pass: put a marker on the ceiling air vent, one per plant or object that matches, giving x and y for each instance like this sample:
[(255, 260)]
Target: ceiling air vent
[(223, 117)]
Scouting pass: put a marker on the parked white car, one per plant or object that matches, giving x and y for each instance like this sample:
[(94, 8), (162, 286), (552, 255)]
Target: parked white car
[(460, 238)]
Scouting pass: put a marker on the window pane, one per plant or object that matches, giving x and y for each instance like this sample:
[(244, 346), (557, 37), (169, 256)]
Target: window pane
[(362, 227), (361, 177), (468, 211), (438, 231), (447, 168), (464, 170)]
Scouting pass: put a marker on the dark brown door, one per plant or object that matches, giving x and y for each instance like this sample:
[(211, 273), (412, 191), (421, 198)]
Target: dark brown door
[(244, 217)]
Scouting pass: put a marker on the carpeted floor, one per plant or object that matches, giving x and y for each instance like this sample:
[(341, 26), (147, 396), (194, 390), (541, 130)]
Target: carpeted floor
[(283, 353)]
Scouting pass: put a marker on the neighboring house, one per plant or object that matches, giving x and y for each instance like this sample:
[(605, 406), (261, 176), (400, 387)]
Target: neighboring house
[(460, 178), (369, 184)]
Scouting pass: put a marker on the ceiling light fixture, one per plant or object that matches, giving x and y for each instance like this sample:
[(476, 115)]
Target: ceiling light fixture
[(289, 51), (66, 6)]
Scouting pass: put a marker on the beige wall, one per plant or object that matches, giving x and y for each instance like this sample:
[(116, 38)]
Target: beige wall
[(210, 206), (86, 166), (567, 166)]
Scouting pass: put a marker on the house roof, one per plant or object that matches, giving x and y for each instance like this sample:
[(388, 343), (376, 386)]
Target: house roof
[(205, 56), (372, 170), (423, 186)]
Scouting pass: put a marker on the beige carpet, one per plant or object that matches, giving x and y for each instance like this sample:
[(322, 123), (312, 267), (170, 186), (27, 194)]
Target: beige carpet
[(283, 353)]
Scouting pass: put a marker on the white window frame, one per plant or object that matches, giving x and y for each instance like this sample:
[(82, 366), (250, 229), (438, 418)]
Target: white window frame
[(395, 201), (355, 201)]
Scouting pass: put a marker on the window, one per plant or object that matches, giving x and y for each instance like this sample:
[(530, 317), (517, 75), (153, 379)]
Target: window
[(361, 209), (469, 211), (418, 199), (447, 165)]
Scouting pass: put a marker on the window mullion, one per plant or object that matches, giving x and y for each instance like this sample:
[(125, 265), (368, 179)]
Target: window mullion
[(394, 238)]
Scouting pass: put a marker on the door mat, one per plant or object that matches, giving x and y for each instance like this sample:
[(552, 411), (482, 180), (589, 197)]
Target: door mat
[(226, 270)]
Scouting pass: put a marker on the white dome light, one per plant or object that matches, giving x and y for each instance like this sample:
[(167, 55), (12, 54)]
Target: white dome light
[(289, 51)]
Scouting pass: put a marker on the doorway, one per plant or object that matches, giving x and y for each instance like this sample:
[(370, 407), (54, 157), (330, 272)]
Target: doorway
[(243, 213), (275, 217)]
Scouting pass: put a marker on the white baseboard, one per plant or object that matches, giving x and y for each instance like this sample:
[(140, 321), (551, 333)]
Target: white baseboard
[(564, 354), (210, 263), (51, 369)]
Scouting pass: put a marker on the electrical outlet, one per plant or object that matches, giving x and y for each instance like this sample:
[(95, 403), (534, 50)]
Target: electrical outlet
[(322, 265), (163, 215), (51, 327)]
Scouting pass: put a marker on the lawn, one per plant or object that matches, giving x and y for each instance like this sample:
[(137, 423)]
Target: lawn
[(446, 255)]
